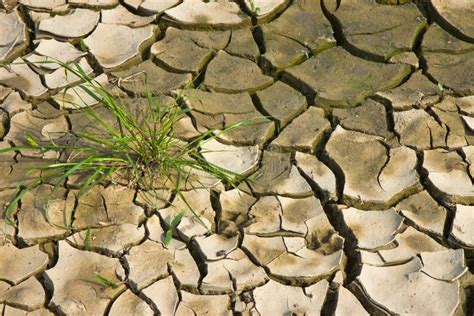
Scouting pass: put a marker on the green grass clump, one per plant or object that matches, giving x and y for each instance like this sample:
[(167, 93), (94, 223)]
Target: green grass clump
[(138, 147), (255, 10)]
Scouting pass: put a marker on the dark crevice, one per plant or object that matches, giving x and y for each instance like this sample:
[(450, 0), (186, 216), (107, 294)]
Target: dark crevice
[(470, 300), (330, 303), (168, 68), (252, 257), (335, 24), (198, 80), (434, 16), (216, 206), (465, 159), (300, 86), (30, 28), (371, 307), (325, 158), (388, 113), (280, 12), (438, 196), (320, 193), (259, 39), (259, 106), (338, 33), (353, 265), (200, 262), (47, 290)]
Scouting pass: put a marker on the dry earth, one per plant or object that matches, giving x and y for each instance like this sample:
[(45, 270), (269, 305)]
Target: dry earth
[(363, 165)]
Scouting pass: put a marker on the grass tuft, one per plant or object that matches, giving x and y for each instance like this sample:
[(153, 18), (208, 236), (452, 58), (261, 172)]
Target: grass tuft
[(106, 282), (138, 148)]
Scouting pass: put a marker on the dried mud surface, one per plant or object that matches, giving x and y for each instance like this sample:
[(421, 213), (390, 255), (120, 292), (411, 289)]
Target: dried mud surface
[(362, 164)]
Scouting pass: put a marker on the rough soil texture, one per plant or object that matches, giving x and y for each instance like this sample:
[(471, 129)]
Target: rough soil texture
[(361, 160)]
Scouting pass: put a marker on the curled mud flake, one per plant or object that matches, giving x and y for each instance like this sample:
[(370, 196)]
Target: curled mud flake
[(37, 6), (304, 133), (455, 14), (16, 265), (318, 172), (112, 240), (448, 265), (115, 46), (191, 226), (242, 44), (265, 8), (298, 215), (469, 157), (373, 229), (60, 79), (120, 15), (369, 118), (378, 31), (239, 160), (130, 304), (78, 23), (233, 273), (231, 74), (235, 206), (95, 4), (133, 79), (192, 304), (147, 263), (77, 288), (76, 98), (28, 295), (419, 130), (347, 304), (151, 6), (469, 121), (44, 214), (20, 76), (199, 47), (185, 270), (50, 50), (164, 295), (216, 247), (407, 245), (265, 217), (289, 299), (341, 80), (377, 284), (424, 212), (448, 173), (417, 91), (208, 15), (282, 102), (305, 24), (462, 233), (40, 129), (374, 176), (278, 176), (14, 38)]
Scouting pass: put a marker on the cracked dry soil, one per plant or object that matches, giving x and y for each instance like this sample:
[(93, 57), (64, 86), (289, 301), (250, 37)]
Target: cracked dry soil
[(362, 199)]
